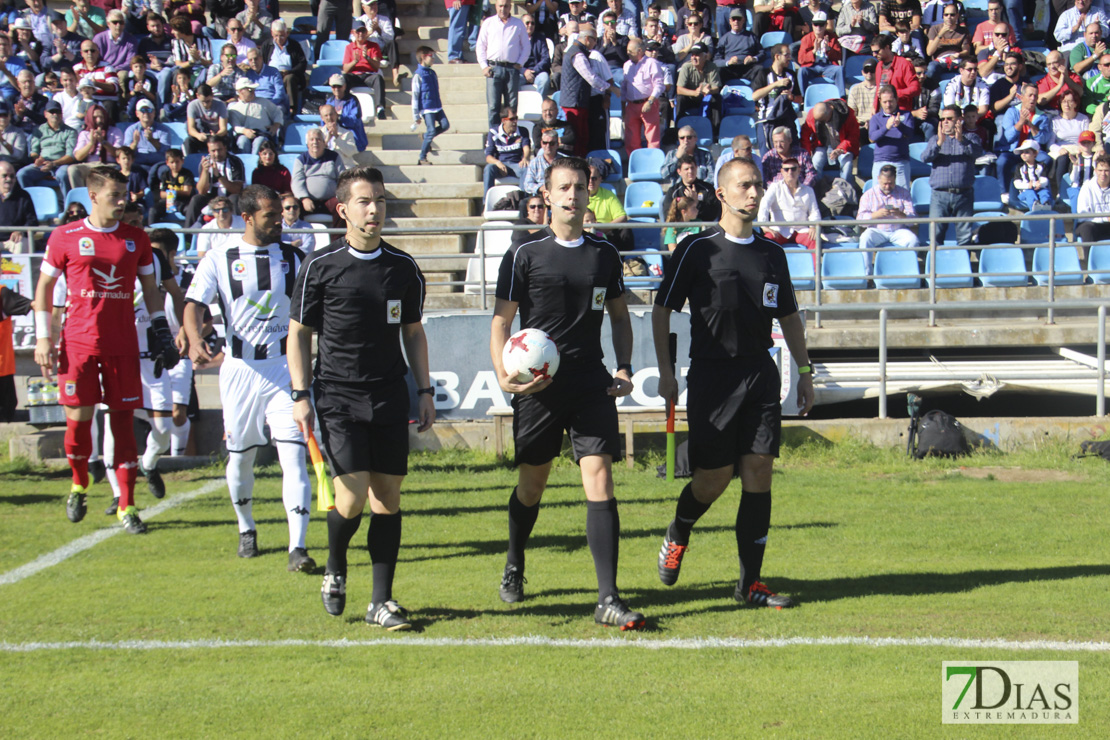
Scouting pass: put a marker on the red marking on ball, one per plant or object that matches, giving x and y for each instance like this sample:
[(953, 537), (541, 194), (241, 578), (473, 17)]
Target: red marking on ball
[(519, 342)]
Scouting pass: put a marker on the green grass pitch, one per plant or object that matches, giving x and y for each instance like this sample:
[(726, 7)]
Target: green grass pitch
[(993, 547)]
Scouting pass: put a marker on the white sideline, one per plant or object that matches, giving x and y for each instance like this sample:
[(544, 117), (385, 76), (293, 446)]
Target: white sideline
[(709, 643), (89, 541)]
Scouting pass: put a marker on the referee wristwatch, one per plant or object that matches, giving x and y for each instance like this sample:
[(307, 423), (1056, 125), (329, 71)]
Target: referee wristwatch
[(429, 391), (626, 366), (300, 395)]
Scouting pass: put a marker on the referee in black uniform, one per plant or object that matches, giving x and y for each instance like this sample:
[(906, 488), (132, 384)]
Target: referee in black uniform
[(736, 282), (563, 281), (365, 298)]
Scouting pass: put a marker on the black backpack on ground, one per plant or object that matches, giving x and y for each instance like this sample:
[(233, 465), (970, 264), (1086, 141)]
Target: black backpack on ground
[(939, 435), (1101, 448)]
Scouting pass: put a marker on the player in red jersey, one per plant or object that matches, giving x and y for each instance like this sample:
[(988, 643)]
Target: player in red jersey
[(101, 259)]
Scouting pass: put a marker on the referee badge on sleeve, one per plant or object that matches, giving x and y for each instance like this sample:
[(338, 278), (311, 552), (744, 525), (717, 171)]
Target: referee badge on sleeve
[(770, 295), (393, 312), (598, 302)]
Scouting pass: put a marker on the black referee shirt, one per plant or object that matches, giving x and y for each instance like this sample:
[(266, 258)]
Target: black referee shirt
[(357, 302), (734, 286), (561, 288)]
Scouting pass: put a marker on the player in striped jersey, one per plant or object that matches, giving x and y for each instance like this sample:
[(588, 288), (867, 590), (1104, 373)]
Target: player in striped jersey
[(251, 277)]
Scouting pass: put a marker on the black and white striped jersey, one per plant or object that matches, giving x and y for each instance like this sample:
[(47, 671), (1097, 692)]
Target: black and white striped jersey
[(162, 270), (252, 286)]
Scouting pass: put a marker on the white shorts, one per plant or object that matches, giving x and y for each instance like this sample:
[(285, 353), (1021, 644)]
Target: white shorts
[(253, 395), (174, 387)]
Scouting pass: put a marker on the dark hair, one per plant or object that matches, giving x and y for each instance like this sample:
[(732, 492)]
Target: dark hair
[(81, 213), (901, 27), (151, 14), (424, 51), (1103, 158), (164, 239), (575, 164), (371, 175), (888, 170), (125, 150), (181, 24), (98, 177), (790, 160), (213, 138), (138, 58), (965, 58), (888, 89), (253, 196), (952, 107), (971, 108), (1015, 55), (883, 42), (687, 159), (174, 152), (204, 89)]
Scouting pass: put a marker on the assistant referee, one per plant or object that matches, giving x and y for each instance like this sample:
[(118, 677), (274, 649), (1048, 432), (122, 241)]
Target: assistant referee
[(365, 298), (563, 281), (736, 282)]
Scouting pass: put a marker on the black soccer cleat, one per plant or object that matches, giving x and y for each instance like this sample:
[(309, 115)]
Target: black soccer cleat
[(154, 482), (96, 470), (759, 595), (613, 612), (334, 593), (248, 544), (512, 585), (670, 560), (112, 508), (388, 614), (300, 562), (132, 524), (75, 504)]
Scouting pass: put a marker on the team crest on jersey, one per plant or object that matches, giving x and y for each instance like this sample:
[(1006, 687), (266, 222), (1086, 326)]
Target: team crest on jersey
[(71, 388), (85, 247), (393, 312), (770, 295), (284, 268), (239, 269), (130, 245), (598, 303)]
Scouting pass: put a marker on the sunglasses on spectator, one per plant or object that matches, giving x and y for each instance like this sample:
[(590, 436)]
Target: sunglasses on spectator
[(685, 138), (513, 119), (548, 143), (535, 206), (610, 23), (789, 169), (291, 207)]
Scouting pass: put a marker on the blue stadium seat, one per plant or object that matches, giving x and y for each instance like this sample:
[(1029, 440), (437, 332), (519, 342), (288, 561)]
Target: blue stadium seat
[(702, 127), (179, 131), (771, 38), (614, 155), (1002, 259), (843, 269), (733, 126), (288, 160), (192, 162), (820, 92), (853, 68), (1068, 271), (736, 99), (893, 268), (1036, 232), (45, 201), (250, 162), (953, 267), (921, 194), (79, 195), (318, 77), (1098, 264), (867, 186), (304, 24), (800, 262), (646, 238), (295, 137), (918, 168), (638, 193), (988, 194), (646, 165), (865, 162), (332, 51), (216, 45)]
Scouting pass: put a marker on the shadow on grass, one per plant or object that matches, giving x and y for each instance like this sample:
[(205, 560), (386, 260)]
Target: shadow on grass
[(33, 498), (454, 489), (502, 506)]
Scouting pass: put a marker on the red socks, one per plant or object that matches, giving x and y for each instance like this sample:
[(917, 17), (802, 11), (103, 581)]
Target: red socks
[(78, 446), (126, 461)]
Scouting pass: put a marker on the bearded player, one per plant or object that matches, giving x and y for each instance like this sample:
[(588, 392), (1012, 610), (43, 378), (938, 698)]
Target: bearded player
[(100, 258)]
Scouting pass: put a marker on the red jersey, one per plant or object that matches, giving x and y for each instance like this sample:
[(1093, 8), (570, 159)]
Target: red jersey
[(100, 266)]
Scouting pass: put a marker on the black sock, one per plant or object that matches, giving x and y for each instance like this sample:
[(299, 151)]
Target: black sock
[(686, 513), (603, 532), (383, 541), (753, 519), (340, 532), (521, 520)]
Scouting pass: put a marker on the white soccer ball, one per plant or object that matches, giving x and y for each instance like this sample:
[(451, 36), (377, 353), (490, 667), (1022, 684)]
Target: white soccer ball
[(530, 354)]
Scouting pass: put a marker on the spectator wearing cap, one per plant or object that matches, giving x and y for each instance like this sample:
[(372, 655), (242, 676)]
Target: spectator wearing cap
[(27, 111), (362, 63), (579, 80), (696, 34), (738, 50), (237, 38), (460, 27), (13, 141), (820, 55), (256, 22), (641, 89), (687, 147), (503, 48), (116, 45), (886, 199), (345, 104), (148, 138), (51, 150), (699, 86), (1029, 189), (268, 81), (316, 175), (1078, 164), (252, 119), (26, 46), (206, 116), (537, 67), (288, 58), (507, 150)]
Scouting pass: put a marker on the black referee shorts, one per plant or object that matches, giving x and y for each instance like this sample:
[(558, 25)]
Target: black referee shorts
[(576, 403), (733, 409), (364, 430)]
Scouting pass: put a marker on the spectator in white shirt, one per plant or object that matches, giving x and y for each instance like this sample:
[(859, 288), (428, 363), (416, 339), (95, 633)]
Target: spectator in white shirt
[(787, 200), (1094, 197)]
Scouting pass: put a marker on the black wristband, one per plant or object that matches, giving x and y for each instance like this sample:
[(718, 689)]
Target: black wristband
[(429, 391), (300, 395), (626, 366)]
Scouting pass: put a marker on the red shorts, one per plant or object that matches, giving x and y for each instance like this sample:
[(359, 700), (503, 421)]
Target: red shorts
[(81, 377)]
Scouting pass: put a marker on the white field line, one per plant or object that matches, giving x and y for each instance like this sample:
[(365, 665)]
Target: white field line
[(710, 643), (89, 541)]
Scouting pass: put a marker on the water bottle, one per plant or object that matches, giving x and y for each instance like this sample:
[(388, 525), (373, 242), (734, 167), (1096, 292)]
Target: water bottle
[(171, 200), (50, 394), (413, 126), (34, 393)]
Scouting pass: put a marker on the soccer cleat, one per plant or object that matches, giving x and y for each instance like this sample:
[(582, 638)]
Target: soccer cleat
[(670, 560), (75, 505), (613, 612), (759, 595), (334, 593), (388, 614), (96, 470), (248, 544), (154, 482), (512, 585), (112, 508), (132, 524), (299, 561)]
